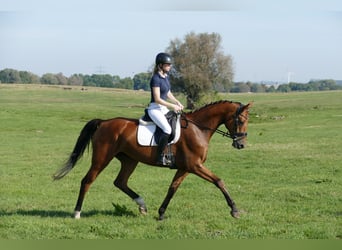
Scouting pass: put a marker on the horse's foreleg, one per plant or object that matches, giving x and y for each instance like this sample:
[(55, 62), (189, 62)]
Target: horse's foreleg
[(206, 174), (234, 211), (177, 180), (128, 165)]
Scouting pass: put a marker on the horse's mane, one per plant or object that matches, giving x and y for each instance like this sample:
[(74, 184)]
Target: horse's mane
[(210, 104)]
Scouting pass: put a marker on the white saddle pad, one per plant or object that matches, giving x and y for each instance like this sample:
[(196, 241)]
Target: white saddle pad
[(146, 133)]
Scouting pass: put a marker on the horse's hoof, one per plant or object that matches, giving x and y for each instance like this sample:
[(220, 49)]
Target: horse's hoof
[(77, 215), (235, 214), (143, 210)]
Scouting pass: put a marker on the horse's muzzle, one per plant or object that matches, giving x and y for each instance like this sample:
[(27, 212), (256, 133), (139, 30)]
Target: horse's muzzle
[(238, 144), (239, 140)]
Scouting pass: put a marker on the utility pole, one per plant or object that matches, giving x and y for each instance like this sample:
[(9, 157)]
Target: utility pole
[(100, 70)]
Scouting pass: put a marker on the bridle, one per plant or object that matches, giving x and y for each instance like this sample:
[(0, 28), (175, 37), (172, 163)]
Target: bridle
[(236, 136)]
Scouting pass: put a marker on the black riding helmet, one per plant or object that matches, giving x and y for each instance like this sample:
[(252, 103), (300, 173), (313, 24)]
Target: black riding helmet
[(163, 58)]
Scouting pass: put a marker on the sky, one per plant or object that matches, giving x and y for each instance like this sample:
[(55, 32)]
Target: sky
[(279, 41)]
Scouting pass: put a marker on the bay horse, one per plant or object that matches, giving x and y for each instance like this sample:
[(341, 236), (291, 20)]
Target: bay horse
[(117, 137)]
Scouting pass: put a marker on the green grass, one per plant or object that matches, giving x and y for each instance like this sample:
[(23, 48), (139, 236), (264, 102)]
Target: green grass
[(287, 182)]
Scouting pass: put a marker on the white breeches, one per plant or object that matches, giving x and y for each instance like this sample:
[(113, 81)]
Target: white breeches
[(157, 113)]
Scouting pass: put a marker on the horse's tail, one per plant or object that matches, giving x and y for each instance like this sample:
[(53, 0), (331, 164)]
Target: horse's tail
[(81, 144)]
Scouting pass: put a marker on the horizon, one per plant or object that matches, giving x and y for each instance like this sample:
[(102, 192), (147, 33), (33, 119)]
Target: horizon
[(265, 82)]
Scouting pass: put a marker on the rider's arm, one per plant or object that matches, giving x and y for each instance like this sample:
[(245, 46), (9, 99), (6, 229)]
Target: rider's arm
[(157, 99)]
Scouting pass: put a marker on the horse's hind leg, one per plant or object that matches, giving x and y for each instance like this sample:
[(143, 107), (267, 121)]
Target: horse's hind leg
[(177, 180), (85, 185), (95, 169), (128, 165)]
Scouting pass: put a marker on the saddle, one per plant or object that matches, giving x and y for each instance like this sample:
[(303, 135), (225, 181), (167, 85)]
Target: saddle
[(149, 132)]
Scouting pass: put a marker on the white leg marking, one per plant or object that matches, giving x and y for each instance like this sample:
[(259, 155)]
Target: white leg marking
[(77, 215)]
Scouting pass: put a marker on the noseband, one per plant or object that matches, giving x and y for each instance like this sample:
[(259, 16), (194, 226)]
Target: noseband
[(236, 136)]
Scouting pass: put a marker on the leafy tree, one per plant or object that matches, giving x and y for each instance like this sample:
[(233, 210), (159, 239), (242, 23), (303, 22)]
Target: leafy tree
[(258, 88), (49, 78), (105, 81), (28, 77), (54, 79), (125, 83), (327, 84), (62, 80), (271, 89), (283, 88), (142, 81), (76, 80), (313, 85), (116, 80), (200, 66), (88, 81), (10, 76), (240, 87)]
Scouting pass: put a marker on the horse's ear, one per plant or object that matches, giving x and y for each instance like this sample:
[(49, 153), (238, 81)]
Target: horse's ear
[(249, 105)]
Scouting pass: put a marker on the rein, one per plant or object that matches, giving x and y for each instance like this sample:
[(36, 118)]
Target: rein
[(235, 136), (219, 131)]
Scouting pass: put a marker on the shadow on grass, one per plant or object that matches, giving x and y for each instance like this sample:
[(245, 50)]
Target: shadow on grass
[(118, 211)]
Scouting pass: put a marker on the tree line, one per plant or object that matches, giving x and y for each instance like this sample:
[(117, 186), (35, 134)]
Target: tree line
[(312, 85), (141, 82)]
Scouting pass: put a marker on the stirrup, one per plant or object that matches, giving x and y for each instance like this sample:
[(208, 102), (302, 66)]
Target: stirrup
[(167, 161)]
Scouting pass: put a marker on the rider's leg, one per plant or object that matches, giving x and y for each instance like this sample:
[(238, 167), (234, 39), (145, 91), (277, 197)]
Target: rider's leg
[(157, 114), (163, 140)]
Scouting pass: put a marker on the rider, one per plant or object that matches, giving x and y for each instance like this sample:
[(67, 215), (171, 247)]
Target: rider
[(159, 104)]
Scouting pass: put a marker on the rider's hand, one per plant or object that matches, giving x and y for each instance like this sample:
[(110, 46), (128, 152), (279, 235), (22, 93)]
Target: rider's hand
[(177, 108), (180, 105)]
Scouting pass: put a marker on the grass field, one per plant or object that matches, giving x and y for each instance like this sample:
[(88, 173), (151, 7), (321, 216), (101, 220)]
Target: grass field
[(287, 182)]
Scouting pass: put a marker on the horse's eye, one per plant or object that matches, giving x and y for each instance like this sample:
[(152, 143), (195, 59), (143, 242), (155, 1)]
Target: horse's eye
[(239, 122)]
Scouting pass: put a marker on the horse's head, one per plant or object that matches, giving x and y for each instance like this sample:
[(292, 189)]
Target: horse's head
[(237, 126)]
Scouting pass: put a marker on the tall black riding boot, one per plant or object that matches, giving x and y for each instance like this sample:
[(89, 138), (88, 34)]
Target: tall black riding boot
[(163, 140)]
